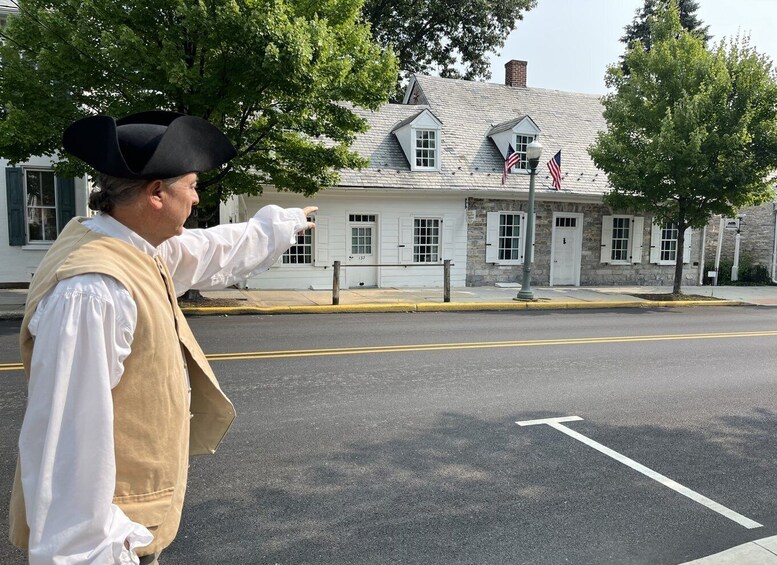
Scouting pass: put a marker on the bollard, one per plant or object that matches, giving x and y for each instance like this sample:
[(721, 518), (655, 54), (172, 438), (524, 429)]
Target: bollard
[(336, 284), (446, 293)]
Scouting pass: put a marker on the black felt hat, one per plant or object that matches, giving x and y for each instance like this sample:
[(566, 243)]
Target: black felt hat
[(149, 145)]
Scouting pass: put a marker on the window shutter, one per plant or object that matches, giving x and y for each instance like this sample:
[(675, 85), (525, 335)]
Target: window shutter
[(606, 253), (66, 201), (655, 243), (321, 242), (14, 189), (447, 236), (687, 246), (492, 237), (405, 249), (637, 229)]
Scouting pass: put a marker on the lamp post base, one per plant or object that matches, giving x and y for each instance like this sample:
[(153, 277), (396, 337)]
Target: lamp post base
[(525, 296)]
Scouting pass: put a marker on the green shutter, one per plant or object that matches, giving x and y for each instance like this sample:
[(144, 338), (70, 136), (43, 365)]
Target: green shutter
[(14, 189), (66, 201)]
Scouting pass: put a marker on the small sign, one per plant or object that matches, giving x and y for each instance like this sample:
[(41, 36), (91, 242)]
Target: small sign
[(731, 223), (712, 274)]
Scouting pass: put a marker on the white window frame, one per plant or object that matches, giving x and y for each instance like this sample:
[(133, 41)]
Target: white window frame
[(39, 242), (635, 240), (520, 141), (438, 244), (494, 237), (418, 151), (305, 242), (656, 244)]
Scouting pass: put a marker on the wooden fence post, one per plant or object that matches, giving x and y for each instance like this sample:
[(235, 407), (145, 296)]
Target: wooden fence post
[(446, 293), (336, 284)]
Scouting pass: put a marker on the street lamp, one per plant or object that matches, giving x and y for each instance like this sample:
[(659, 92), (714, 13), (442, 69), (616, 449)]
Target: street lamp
[(533, 152)]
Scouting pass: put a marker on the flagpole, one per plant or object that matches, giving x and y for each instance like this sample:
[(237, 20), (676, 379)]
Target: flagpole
[(533, 152)]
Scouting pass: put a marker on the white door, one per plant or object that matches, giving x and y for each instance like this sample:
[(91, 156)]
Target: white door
[(567, 249), (362, 231)]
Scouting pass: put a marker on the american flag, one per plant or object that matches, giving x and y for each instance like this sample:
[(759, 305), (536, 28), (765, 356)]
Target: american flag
[(554, 166), (513, 158)]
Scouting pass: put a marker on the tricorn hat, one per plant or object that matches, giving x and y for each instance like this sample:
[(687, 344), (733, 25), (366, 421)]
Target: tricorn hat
[(148, 145)]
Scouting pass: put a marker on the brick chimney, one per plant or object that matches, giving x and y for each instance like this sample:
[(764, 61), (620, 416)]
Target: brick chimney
[(515, 73)]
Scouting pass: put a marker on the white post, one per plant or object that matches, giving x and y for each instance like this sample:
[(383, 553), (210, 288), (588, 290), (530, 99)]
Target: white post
[(735, 267), (717, 253)]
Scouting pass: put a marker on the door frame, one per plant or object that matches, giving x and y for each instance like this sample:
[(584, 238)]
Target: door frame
[(376, 248), (578, 251)]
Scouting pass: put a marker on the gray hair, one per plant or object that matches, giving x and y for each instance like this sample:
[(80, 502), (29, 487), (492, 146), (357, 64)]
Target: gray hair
[(112, 191)]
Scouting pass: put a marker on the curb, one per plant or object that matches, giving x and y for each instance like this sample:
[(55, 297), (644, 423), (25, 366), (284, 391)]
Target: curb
[(443, 307)]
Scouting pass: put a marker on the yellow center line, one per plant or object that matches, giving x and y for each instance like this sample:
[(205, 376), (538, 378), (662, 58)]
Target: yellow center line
[(253, 355)]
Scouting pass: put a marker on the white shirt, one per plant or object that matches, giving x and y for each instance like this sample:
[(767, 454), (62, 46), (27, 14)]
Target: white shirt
[(83, 331)]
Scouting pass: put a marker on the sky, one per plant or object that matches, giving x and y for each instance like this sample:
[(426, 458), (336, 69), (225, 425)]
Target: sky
[(569, 43)]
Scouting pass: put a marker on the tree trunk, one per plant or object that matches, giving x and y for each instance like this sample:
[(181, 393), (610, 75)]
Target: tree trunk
[(678, 267)]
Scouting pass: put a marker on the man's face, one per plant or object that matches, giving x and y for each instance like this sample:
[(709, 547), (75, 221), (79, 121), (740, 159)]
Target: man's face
[(178, 198)]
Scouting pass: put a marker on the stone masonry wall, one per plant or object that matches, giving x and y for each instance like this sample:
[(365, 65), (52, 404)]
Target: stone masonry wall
[(592, 271), (756, 237)]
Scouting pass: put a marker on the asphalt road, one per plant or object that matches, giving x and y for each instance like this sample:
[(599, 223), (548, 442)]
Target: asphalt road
[(391, 438)]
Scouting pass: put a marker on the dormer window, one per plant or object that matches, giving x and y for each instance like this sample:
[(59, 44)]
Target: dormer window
[(419, 137), (426, 149), (517, 134), (521, 142)]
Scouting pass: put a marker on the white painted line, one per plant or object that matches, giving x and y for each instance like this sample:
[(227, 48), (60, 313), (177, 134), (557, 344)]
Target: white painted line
[(549, 420), (666, 481)]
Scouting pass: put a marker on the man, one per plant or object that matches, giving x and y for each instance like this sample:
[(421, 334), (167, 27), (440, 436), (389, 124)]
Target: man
[(119, 392)]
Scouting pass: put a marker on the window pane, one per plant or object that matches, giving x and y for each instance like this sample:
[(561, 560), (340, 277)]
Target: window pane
[(509, 237), (35, 224), (47, 189), (49, 224), (33, 188), (302, 251), (425, 148), (426, 240), (669, 235), (620, 239)]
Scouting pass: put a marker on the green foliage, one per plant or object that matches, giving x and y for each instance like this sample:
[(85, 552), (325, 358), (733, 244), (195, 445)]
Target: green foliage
[(445, 35), (278, 76), (691, 132), (639, 28), (750, 273)]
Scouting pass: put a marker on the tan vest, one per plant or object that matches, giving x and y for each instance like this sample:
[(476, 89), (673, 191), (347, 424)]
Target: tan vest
[(154, 432)]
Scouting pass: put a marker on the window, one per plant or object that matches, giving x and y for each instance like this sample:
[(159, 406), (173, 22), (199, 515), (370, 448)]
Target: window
[(301, 253), (668, 249), (622, 239), (664, 244), (361, 240), (425, 149), (504, 237), (521, 142), (621, 231), (426, 240), (509, 237), (39, 205)]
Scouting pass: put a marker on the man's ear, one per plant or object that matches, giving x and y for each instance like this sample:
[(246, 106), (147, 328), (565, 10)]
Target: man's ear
[(153, 193)]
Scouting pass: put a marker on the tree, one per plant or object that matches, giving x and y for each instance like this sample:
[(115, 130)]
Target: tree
[(452, 37), (639, 28), (280, 77), (691, 132)]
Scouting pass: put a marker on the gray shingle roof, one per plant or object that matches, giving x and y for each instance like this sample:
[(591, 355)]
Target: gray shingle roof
[(469, 159)]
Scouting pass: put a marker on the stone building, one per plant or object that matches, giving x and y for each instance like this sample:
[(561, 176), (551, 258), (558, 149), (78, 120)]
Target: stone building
[(435, 190)]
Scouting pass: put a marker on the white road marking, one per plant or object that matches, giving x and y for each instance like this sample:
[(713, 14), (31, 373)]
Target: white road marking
[(666, 481)]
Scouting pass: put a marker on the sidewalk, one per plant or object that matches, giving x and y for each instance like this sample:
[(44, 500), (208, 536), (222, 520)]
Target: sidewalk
[(235, 301), (468, 298)]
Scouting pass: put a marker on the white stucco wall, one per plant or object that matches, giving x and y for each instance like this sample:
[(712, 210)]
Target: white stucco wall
[(17, 264), (335, 206)]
